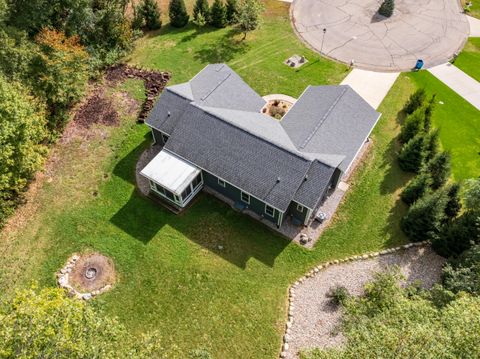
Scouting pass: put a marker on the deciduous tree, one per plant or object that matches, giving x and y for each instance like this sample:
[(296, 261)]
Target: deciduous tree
[(249, 16)]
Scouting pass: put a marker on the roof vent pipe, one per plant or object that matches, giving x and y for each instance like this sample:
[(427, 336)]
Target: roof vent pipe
[(306, 178), (168, 113), (278, 179)]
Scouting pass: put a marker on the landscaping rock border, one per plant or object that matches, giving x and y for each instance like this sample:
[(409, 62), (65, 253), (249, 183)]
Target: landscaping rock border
[(63, 281), (316, 270)]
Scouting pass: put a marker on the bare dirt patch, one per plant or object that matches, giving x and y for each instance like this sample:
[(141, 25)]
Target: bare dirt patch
[(92, 272), (98, 109)]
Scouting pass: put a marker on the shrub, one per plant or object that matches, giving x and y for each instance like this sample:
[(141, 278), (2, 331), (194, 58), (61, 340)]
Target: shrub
[(387, 7), (48, 324), (22, 137), (218, 14), (412, 154), (416, 188), (423, 220), (232, 11), (178, 13), (338, 295), (201, 12), (413, 125), (439, 169), (463, 274), (415, 101)]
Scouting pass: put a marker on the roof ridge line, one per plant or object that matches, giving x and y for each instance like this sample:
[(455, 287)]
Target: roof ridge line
[(215, 87), (297, 154), (324, 117)]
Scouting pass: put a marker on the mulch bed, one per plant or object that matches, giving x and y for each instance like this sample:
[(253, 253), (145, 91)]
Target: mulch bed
[(98, 109), (155, 82)]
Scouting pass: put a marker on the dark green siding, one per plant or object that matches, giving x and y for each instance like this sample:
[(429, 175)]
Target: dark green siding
[(234, 194), (158, 136), (300, 216)]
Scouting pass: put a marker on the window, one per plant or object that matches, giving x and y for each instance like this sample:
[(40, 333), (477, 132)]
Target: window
[(197, 181), (299, 208), (269, 210), (187, 191), (221, 182), (245, 197)]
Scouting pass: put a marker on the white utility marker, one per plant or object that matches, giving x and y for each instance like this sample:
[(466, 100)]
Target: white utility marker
[(372, 86), (170, 171), (474, 26), (458, 81)]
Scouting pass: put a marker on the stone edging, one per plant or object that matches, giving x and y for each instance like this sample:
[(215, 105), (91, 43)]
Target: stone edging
[(313, 272), (63, 281)]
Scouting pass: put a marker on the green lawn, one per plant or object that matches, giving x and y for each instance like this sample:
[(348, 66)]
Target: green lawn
[(258, 59), (474, 9), (172, 276), (459, 124), (469, 59)]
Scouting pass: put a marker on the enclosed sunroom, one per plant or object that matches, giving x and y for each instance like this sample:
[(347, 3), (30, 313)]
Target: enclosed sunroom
[(173, 178)]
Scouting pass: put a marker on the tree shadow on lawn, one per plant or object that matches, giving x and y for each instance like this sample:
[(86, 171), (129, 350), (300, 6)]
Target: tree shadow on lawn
[(222, 50), (209, 222)]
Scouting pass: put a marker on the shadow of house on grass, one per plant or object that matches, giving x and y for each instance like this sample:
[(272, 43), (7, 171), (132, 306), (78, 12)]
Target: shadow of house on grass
[(208, 222)]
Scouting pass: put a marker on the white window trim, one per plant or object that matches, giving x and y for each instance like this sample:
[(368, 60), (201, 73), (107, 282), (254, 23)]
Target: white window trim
[(221, 182), (300, 208), (269, 214), (246, 194)]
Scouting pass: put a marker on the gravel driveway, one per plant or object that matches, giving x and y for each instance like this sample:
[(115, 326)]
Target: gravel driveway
[(314, 319)]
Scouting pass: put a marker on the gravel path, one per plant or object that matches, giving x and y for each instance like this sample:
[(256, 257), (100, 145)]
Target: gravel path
[(314, 319)]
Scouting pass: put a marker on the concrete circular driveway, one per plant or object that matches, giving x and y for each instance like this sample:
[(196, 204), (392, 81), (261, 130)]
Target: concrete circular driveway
[(432, 30)]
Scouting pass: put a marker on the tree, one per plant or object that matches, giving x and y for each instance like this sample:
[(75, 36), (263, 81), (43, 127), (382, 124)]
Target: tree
[(413, 125), (151, 14), (22, 137), (463, 274), (416, 188), (432, 145), (16, 54), (415, 101), (429, 108), (232, 11), (3, 10), (412, 154), (61, 73), (249, 16), (423, 220), (201, 12), (218, 14), (454, 204), (387, 7), (178, 13), (399, 324), (439, 169), (472, 195), (47, 324)]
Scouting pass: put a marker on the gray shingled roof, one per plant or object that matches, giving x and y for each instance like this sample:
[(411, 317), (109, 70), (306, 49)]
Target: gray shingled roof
[(245, 160), (167, 111), (331, 120), (314, 185)]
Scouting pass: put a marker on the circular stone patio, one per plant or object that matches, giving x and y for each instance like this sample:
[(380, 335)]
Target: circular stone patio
[(432, 30)]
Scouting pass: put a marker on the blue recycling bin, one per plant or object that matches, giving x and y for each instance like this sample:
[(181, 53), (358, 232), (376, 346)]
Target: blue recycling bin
[(419, 64)]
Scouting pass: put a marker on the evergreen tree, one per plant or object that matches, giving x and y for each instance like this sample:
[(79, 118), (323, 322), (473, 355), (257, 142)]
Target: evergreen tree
[(439, 169), (413, 125), (387, 7), (249, 16), (416, 188), (151, 13), (232, 11), (454, 205), (178, 13), (201, 11), (412, 154), (423, 220), (218, 14), (429, 108), (415, 101), (432, 145)]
